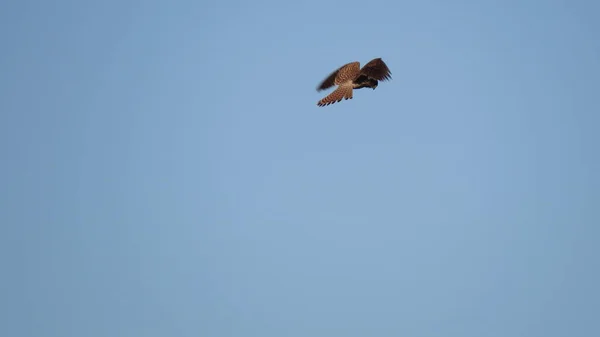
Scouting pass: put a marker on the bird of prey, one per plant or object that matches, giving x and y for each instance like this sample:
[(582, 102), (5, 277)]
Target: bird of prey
[(350, 76)]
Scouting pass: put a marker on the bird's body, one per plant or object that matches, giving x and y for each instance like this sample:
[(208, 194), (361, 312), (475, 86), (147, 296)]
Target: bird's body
[(350, 76)]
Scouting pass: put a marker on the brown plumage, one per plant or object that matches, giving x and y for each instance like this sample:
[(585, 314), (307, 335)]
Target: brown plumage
[(350, 76)]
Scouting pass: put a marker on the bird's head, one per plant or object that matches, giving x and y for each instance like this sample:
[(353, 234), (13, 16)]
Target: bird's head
[(373, 83)]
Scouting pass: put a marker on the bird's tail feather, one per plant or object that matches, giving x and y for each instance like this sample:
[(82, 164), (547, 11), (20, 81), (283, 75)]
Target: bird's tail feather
[(344, 91)]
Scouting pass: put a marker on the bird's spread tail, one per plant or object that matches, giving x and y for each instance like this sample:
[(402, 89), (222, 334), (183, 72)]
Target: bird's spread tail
[(344, 91)]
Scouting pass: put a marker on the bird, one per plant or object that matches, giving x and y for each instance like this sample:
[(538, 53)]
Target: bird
[(350, 76)]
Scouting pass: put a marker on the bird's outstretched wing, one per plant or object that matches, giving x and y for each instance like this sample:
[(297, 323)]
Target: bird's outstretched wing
[(344, 73), (377, 69)]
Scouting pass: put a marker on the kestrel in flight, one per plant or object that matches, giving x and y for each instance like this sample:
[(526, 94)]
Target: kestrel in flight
[(350, 77)]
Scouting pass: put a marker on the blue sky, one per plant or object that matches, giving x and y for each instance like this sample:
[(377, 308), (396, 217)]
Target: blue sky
[(166, 171)]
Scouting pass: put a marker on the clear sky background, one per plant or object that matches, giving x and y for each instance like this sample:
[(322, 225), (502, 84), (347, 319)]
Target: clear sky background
[(166, 171)]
